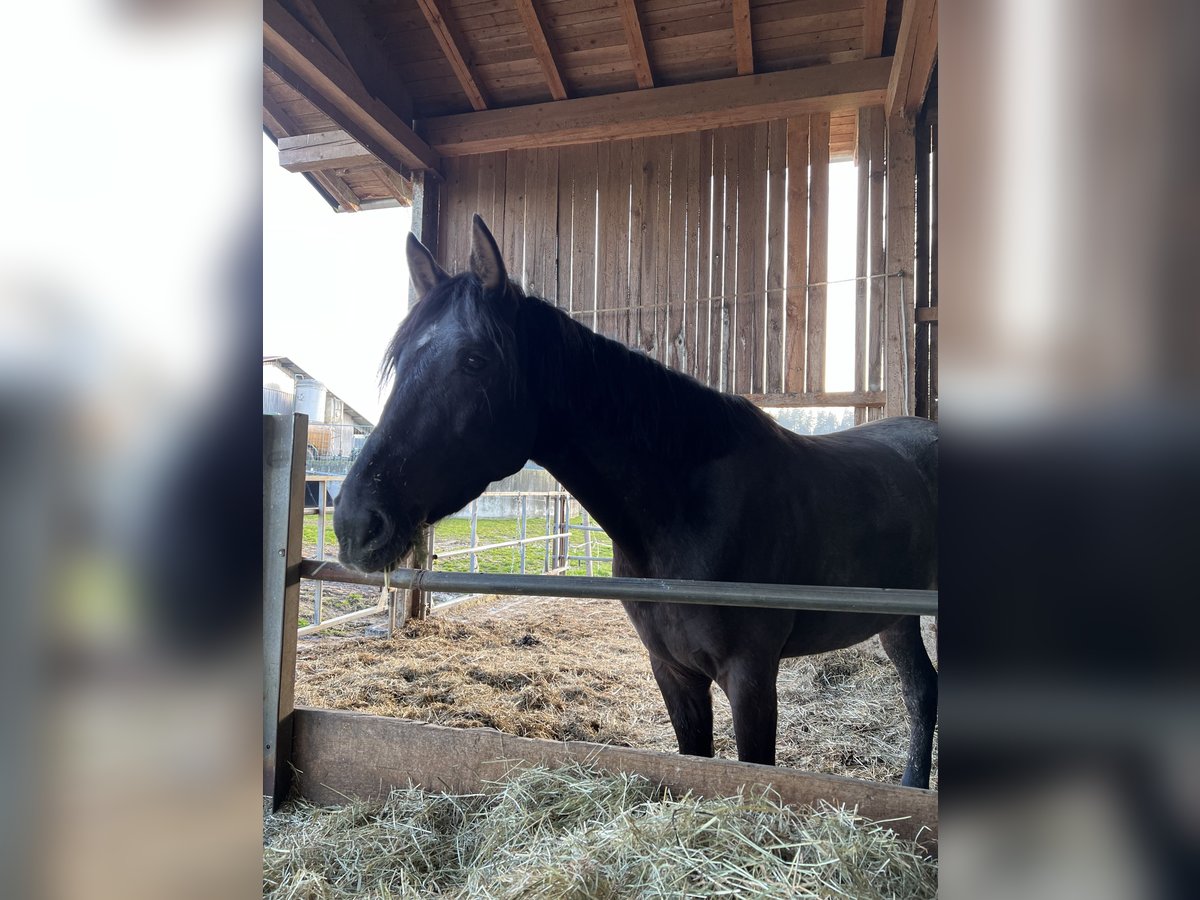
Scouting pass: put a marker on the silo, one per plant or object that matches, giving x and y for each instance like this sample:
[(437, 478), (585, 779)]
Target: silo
[(310, 399)]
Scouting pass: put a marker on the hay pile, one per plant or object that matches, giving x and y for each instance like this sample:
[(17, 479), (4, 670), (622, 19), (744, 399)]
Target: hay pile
[(576, 833), (575, 670)]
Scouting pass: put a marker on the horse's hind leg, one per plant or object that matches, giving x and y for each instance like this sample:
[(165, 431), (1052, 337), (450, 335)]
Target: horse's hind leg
[(688, 696), (918, 680)]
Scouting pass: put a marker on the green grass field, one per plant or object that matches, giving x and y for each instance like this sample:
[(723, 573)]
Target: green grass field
[(456, 534)]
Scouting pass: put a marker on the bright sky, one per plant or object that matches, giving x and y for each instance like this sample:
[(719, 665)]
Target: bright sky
[(335, 286)]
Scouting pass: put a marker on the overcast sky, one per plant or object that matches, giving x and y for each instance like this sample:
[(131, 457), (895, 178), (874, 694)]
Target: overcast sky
[(335, 285)]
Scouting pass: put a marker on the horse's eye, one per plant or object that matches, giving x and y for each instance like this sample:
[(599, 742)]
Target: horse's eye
[(473, 362)]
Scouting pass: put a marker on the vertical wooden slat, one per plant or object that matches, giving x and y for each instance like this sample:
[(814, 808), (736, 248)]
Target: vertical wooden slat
[(541, 223), (604, 243), (452, 238), (639, 168), (862, 235), (284, 444), (678, 279), (752, 230), (921, 273), (512, 243), (933, 271), (582, 161), (612, 283), (796, 323), (818, 252), (730, 285), (741, 378), (492, 180), (898, 318), (702, 329), (776, 253), (660, 225), (694, 174), (878, 255), (565, 233)]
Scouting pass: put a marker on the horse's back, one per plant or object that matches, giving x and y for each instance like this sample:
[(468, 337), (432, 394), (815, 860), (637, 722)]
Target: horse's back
[(911, 437)]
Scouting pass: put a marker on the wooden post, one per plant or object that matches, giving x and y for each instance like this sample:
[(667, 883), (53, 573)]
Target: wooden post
[(900, 311), (422, 553), (284, 442), (425, 217)]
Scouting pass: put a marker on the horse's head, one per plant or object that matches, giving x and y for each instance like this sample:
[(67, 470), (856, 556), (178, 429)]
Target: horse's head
[(458, 416)]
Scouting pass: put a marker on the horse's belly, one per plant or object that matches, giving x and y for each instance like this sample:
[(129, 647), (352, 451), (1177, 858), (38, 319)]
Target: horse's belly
[(817, 632)]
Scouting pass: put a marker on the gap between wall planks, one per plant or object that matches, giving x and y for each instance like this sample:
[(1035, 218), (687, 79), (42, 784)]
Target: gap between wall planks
[(689, 247)]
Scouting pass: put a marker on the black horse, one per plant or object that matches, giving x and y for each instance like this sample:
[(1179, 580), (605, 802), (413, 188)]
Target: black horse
[(688, 482)]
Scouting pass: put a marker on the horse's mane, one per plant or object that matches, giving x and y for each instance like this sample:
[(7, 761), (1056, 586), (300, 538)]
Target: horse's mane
[(576, 370), (627, 391)]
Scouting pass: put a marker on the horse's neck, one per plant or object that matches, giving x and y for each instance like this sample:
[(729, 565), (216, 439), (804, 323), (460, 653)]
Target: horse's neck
[(612, 430)]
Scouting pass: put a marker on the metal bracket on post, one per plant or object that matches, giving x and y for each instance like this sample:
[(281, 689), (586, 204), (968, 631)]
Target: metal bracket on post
[(284, 442)]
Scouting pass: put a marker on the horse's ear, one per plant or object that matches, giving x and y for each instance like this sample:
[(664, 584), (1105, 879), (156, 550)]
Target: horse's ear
[(426, 274), (486, 261)]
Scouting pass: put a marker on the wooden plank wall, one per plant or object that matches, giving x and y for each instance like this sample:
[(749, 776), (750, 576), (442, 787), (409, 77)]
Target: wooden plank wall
[(705, 251)]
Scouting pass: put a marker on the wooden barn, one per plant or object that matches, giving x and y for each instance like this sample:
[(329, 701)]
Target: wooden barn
[(660, 169)]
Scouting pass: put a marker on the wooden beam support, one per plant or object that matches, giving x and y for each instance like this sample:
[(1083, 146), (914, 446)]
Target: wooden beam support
[(323, 150), (743, 42), (916, 52), (334, 89), (637, 43), (452, 43), (542, 49), (335, 191), (742, 100), (874, 22), (341, 754)]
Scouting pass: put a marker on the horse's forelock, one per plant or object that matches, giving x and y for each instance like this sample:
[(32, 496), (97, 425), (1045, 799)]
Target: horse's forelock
[(480, 315)]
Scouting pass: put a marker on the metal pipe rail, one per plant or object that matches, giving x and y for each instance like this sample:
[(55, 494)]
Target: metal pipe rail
[(709, 593)]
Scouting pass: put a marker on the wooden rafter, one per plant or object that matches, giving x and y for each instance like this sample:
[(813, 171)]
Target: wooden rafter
[(310, 67), (916, 52), (452, 43), (637, 43), (335, 191), (542, 48), (674, 109), (307, 12), (743, 43), (874, 20)]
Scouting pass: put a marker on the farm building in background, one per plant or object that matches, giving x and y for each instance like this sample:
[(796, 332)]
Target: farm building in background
[(336, 431)]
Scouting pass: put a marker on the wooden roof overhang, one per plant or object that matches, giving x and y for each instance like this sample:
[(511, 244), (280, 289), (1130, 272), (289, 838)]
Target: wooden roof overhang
[(360, 95)]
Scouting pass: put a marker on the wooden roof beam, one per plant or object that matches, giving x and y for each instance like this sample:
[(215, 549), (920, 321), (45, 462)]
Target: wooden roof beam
[(916, 52), (542, 49), (323, 150), (637, 43), (874, 22), (451, 41), (335, 90), (743, 42), (741, 100), (335, 191)]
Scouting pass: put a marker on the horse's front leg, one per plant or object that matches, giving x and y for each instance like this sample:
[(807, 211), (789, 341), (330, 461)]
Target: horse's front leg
[(750, 686), (688, 696)]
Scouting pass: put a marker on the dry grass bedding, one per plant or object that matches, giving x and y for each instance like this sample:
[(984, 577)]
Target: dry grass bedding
[(575, 833)]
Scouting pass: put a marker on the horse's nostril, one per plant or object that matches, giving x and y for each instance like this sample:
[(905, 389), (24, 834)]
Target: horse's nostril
[(378, 529)]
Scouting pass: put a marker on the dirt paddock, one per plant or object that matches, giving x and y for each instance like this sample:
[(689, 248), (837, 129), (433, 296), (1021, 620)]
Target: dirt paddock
[(575, 670)]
